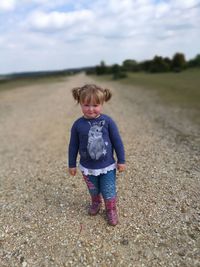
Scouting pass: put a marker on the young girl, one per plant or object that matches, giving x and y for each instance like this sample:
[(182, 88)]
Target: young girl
[(95, 136)]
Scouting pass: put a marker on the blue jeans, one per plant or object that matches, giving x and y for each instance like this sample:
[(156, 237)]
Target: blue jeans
[(104, 184)]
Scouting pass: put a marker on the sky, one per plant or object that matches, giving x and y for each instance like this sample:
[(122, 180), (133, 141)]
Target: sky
[(37, 35)]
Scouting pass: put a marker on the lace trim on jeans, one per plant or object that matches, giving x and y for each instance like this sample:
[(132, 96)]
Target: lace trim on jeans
[(97, 172)]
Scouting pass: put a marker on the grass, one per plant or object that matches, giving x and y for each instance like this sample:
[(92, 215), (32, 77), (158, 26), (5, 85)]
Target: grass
[(179, 89), (25, 81), (175, 88)]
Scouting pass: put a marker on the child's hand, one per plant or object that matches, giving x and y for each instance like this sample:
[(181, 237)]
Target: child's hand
[(121, 167), (72, 171)]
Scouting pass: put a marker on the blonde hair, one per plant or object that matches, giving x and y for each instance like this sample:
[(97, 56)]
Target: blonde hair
[(91, 93)]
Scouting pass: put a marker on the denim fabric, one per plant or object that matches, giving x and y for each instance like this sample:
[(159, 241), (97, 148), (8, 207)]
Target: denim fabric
[(104, 184)]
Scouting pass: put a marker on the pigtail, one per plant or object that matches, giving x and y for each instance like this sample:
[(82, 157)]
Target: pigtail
[(107, 94), (89, 92), (76, 93)]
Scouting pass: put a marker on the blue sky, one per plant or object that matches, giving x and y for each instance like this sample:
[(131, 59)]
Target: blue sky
[(50, 35)]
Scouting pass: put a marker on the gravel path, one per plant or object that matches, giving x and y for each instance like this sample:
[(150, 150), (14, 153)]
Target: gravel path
[(44, 220)]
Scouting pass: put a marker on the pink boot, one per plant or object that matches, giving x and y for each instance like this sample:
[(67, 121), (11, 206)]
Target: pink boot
[(111, 211), (96, 205)]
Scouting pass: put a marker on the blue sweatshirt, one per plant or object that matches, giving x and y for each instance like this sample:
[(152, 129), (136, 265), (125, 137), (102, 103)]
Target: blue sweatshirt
[(95, 140)]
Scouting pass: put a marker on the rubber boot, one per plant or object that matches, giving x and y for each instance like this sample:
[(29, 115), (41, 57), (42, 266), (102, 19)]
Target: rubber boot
[(111, 211), (96, 205)]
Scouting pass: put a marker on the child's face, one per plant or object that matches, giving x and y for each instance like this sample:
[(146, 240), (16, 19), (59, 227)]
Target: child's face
[(91, 110)]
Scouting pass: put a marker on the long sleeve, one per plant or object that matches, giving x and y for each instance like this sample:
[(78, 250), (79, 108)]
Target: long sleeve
[(73, 147), (117, 142)]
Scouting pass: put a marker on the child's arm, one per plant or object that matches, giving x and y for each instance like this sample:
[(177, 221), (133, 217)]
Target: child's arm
[(73, 150), (121, 167), (118, 145), (72, 171)]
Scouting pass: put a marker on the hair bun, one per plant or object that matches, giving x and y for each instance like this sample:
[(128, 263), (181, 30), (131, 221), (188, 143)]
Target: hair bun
[(76, 93), (107, 94), (88, 90)]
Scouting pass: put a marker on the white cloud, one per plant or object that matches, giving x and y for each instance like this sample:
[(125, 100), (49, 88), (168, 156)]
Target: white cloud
[(184, 3), (162, 9), (44, 34), (7, 5), (57, 20), (44, 4)]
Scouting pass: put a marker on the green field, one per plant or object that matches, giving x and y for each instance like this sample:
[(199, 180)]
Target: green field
[(26, 81), (180, 89)]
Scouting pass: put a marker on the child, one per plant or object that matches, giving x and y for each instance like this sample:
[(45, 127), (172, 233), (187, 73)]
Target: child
[(95, 136)]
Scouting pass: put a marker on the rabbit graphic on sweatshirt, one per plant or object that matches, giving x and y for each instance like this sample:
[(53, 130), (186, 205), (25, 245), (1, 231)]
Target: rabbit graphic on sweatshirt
[(96, 146)]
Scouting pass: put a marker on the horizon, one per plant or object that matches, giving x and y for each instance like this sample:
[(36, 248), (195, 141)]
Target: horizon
[(85, 67), (42, 35)]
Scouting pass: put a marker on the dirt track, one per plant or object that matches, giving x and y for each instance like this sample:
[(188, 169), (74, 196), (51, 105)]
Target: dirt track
[(44, 220)]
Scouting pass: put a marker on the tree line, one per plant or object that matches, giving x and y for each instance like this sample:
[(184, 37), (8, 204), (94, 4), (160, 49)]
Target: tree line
[(158, 64)]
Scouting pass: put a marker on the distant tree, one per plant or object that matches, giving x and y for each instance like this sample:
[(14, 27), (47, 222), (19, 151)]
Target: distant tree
[(101, 69), (102, 63), (158, 64), (168, 61), (178, 62), (115, 68), (118, 72), (195, 62), (145, 65), (130, 65)]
